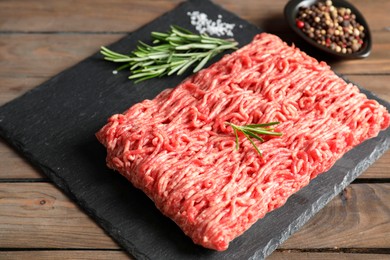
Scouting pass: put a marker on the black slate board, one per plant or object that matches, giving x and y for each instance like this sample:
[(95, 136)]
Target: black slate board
[(53, 126)]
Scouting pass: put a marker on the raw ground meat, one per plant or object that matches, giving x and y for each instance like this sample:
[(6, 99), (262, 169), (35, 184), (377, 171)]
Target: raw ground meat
[(179, 151)]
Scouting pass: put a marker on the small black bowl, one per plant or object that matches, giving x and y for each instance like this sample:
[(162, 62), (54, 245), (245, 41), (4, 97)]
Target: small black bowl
[(291, 11)]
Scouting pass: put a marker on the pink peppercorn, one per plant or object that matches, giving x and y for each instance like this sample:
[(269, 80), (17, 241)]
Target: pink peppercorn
[(300, 24)]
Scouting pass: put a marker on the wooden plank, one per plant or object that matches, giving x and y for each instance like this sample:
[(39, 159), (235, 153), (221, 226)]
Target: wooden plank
[(325, 255), (379, 170), (14, 166), (88, 15), (45, 55), (358, 218), (64, 254), (120, 255), (125, 16), (40, 55), (38, 215), (378, 84), (14, 85)]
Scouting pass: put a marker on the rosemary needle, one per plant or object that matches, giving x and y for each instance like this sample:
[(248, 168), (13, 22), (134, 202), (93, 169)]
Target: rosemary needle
[(170, 53), (253, 131)]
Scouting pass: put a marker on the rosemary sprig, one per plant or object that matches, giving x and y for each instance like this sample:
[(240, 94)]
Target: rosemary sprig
[(171, 52), (253, 131)]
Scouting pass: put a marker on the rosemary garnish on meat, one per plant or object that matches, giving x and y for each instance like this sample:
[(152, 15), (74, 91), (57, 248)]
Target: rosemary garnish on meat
[(171, 52), (253, 131)]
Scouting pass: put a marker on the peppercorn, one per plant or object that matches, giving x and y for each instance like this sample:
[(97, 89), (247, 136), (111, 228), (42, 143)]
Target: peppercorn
[(300, 24), (331, 26)]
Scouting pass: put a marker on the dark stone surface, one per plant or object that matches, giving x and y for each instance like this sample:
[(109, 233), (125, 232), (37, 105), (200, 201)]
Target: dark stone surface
[(53, 126)]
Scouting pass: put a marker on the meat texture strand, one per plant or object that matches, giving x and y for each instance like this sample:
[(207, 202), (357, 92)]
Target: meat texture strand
[(179, 151)]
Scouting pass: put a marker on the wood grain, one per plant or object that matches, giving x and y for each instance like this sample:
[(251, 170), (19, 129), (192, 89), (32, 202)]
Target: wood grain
[(38, 215), (65, 254), (14, 166), (45, 55), (378, 84), (80, 16), (379, 170), (96, 15), (120, 255), (357, 218), (325, 256)]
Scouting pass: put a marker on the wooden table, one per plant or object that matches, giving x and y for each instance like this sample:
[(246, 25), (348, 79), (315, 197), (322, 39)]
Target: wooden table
[(39, 39)]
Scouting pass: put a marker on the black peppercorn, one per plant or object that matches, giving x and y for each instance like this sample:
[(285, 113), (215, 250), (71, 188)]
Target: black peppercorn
[(333, 27)]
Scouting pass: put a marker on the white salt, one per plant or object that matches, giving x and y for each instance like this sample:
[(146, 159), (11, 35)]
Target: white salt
[(203, 24)]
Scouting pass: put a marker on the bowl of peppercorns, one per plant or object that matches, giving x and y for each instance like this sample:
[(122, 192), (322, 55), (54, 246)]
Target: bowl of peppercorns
[(333, 26)]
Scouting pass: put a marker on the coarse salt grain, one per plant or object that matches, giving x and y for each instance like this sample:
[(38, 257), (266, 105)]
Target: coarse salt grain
[(205, 25)]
